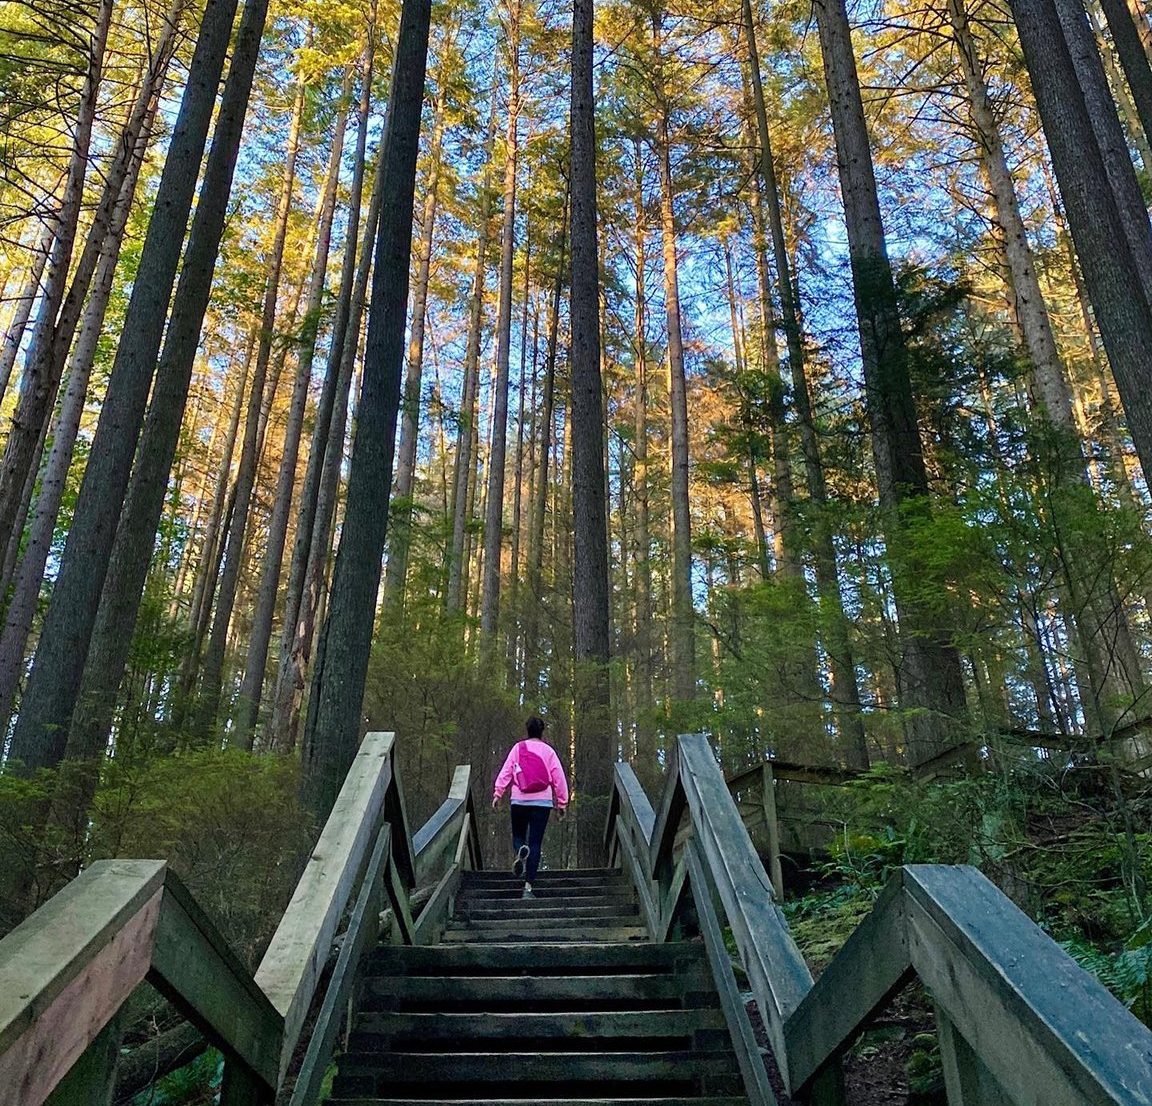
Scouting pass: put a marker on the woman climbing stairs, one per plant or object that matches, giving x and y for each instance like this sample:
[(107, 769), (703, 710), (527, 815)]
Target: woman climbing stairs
[(557, 999)]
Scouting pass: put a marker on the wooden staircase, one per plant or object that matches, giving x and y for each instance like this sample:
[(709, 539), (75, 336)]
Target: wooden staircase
[(611, 986), (560, 999)]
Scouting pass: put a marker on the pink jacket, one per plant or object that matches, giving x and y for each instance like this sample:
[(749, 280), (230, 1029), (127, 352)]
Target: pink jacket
[(555, 772)]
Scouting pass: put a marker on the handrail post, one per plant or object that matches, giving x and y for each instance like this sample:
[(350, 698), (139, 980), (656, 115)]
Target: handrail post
[(773, 825)]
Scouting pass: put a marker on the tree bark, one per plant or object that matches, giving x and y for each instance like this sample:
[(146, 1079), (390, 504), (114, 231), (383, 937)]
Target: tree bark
[(497, 453), (290, 673), (465, 441), (539, 506), (41, 730), (320, 553), (259, 407), (931, 679), (401, 539), (144, 504), (1110, 269), (52, 335), (260, 635), (683, 615), (1133, 60), (14, 335), (593, 729), (53, 479), (342, 661)]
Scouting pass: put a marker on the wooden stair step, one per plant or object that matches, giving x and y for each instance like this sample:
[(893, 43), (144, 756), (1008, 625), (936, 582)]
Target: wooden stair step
[(637, 1100), (515, 890), (542, 910), (544, 879), (532, 1025), (522, 991), (369, 1073), (542, 959), (533, 923), (512, 932)]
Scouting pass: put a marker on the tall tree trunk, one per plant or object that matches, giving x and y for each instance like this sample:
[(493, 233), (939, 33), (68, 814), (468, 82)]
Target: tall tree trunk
[(143, 507), (14, 335), (320, 552), (1133, 60), (1109, 265), (1102, 624), (1110, 137), (683, 617), (48, 349), (53, 479), (497, 453), (41, 730), (593, 729), (260, 636), (642, 577), (342, 661), (539, 506), (527, 409), (466, 439), (259, 407), (208, 570), (931, 678), (400, 541), (290, 674)]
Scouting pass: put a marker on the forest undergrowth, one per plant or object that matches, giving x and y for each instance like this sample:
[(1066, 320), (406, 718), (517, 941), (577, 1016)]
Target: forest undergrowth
[(1066, 840)]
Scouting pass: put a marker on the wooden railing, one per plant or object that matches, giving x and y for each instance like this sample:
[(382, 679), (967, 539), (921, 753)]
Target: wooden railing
[(67, 971), (1019, 1021)]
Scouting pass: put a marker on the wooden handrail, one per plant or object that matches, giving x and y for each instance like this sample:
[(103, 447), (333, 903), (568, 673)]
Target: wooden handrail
[(1019, 1020), (67, 970)]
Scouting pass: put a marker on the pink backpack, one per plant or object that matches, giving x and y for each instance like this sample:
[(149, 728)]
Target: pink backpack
[(530, 771)]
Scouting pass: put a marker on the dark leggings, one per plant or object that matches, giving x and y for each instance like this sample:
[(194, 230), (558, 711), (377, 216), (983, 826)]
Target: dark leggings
[(528, 826)]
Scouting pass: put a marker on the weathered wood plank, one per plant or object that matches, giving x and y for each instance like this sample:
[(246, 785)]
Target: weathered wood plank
[(43, 954), (967, 1080), (361, 934), (67, 970), (634, 797), (776, 970), (756, 1084), (438, 835), (291, 967), (633, 864), (92, 1078), (398, 896), (873, 964), (768, 784), (435, 913), (1049, 1033), (663, 837), (195, 969), (403, 850)]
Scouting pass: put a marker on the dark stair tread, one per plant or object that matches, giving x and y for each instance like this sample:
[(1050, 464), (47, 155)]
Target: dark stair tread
[(527, 933), (584, 1026), (542, 958), (543, 909), (637, 1100), (678, 1065), (525, 988), (533, 923), (551, 873), (591, 895)]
